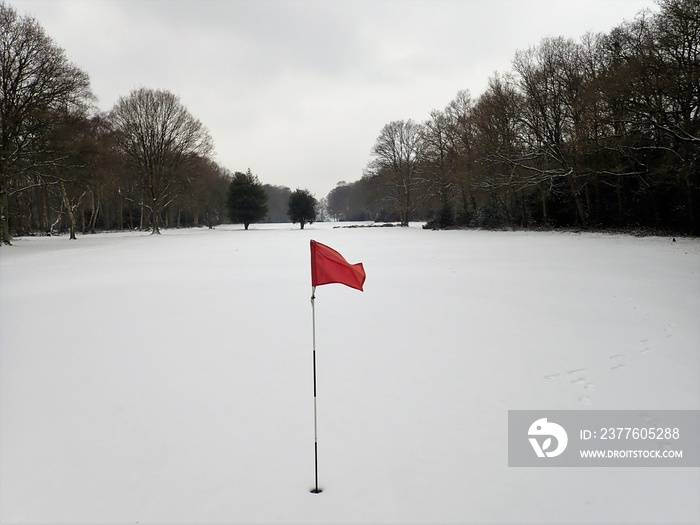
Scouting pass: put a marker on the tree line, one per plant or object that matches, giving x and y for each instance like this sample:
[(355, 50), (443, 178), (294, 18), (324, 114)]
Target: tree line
[(603, 132), (145, 164)]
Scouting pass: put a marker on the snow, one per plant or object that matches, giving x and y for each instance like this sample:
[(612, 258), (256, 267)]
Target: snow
[(168, 379)]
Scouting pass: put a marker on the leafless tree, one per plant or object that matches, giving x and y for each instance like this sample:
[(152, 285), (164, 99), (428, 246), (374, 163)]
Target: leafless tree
[(439, 166), (550, 79), (159, 137), (463, 154), (38, 86), (499, 149), (661, 57), (397, 154)]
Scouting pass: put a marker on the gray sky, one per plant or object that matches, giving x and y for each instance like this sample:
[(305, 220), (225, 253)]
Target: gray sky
[(298, 91)]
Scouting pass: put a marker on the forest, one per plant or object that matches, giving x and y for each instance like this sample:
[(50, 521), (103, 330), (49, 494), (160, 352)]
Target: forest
[(599, 133), (602, 132)]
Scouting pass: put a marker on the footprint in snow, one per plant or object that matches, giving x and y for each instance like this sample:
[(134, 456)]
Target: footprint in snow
[(617, 366), (669, 330)]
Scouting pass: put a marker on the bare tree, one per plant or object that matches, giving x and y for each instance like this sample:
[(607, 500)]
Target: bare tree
[(397, 156), (551, 80), (337, 200), (38, 86), (439, 163), (159, 137), (498, 146), (662, 54), (462, 138)]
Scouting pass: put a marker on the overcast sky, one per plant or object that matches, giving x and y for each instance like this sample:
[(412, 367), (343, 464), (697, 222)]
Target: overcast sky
[(298, 91)]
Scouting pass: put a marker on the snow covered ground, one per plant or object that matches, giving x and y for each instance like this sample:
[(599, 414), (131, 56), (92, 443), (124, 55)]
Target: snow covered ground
[(168, 379)]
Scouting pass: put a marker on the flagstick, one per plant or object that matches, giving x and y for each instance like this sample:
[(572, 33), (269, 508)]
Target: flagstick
[(316, 490)]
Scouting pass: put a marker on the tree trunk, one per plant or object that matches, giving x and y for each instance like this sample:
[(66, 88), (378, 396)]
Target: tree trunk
[(597, 201), (81, 214), (120, 213), (57, 226), (407, 208), (143, 215), (95, 212), (523, 210), (106, 216), (545, 210), (156, 217), (69, 211), (580, 209), (5, 211), (45, 222), (691, 204)]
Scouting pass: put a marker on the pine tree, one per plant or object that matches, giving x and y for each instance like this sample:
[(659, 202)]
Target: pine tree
[(246, 200), (302, 207)]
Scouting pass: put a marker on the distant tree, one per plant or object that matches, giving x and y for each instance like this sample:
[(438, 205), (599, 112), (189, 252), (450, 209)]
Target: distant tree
[(551, 79), (39, 88), (398, 153), (461, 158), (160, 138), (494, 155), (302, 207), (205, 199), (277, 203), (247, 200), (338, 201), (440, 165)]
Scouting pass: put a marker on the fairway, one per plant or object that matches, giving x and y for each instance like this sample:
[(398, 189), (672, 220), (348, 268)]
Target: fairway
[(169, 378)]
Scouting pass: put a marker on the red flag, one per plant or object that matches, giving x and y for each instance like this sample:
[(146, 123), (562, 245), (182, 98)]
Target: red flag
[(328, 266)]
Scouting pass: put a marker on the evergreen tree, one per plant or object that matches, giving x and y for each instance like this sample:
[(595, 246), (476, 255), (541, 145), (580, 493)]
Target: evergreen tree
[(302, 207), (246, 200)]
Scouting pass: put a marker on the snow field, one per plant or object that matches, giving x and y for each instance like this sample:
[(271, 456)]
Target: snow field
[(168, 379)]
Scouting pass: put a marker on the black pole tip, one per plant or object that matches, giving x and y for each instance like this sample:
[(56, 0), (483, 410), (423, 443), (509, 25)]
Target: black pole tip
[(316, 491)]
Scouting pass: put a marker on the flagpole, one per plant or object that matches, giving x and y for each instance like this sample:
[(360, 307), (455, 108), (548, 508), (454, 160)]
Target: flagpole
[(315, 490)]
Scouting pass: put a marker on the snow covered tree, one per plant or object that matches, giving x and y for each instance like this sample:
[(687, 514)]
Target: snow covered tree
[(246, 200)]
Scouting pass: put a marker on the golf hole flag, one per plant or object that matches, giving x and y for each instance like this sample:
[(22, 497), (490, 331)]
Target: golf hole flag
[(328, 266)]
